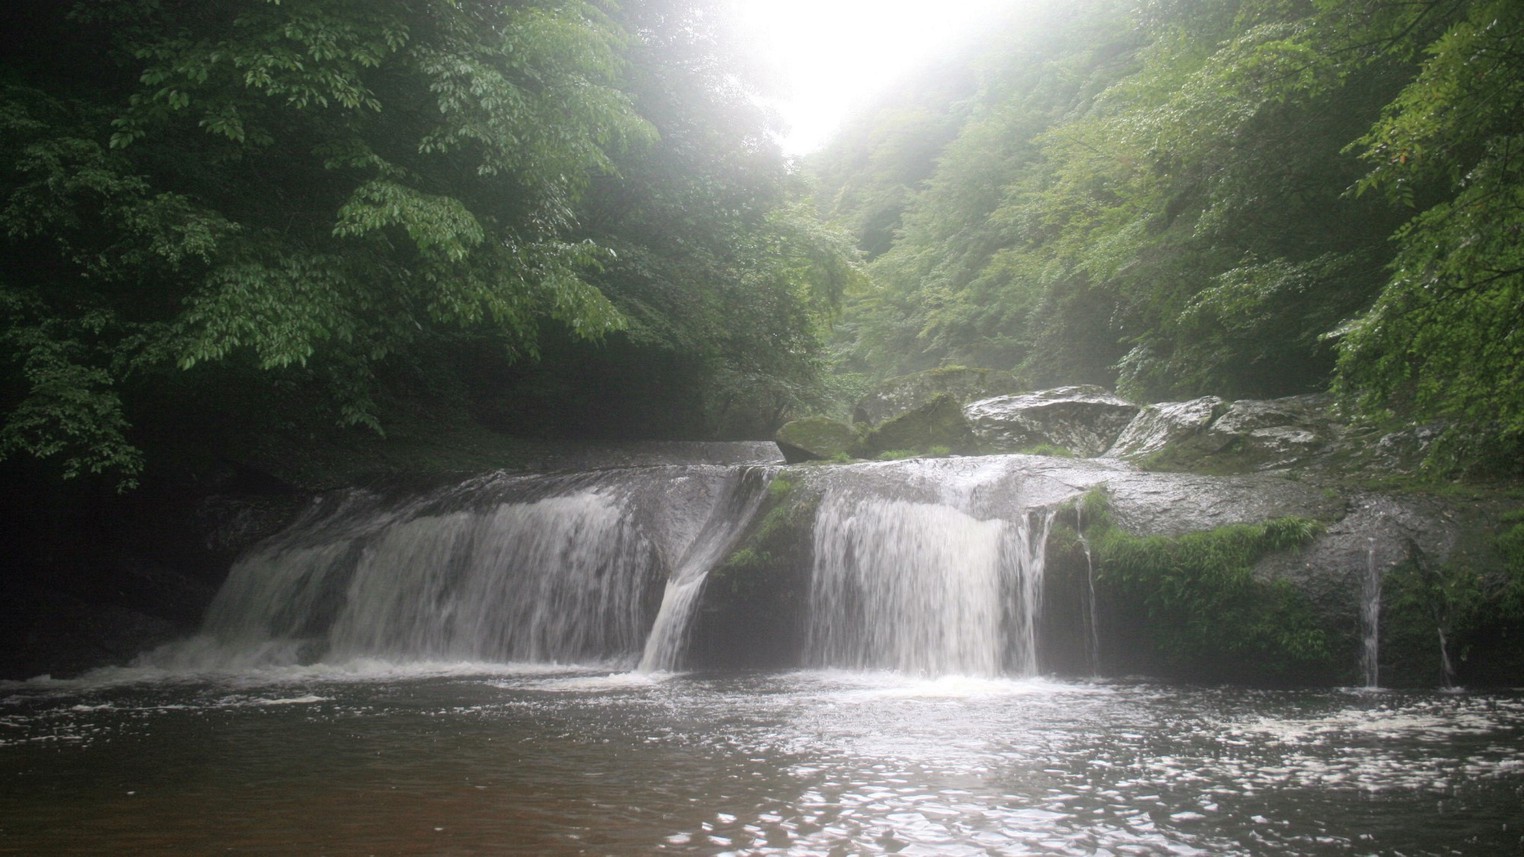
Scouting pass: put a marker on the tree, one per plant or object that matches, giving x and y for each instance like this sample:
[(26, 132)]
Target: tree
[(1185, 197), (311, 188), (1443, 341)]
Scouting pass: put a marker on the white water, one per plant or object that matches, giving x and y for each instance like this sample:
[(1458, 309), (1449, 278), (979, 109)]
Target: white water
[(609, 568), (523, 570), (1370, 620), (924, 588), (1446, 667), (664, 647)]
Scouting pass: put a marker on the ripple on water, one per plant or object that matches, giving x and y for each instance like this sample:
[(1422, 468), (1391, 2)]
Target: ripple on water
[(573, 760)]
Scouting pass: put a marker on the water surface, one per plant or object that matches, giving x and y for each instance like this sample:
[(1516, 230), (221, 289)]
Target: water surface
[(471, 759)]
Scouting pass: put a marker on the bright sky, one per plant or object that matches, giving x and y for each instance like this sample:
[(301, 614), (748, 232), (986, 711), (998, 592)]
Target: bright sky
[(837, 54)]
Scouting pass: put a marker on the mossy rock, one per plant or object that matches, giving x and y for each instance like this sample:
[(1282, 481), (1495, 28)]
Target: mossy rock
[(817, 439), (940, 425), (900, 396), (754, 606)]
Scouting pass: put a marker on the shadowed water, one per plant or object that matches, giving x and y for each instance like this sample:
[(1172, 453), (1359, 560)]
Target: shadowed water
[(365, 758)]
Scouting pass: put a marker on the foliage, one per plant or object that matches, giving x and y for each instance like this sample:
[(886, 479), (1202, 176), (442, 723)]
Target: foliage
[(717, 261), (1473, 603), (1442, 340), (1207, 613), (306, 211), (1049, 449), (1229, 197)]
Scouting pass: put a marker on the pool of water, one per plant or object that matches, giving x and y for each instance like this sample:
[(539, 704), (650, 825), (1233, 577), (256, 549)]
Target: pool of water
[(473, 759)]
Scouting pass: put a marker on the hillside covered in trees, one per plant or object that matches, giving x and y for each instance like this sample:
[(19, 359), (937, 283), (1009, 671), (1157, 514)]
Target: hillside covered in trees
[(1176, 198), (233, 226)]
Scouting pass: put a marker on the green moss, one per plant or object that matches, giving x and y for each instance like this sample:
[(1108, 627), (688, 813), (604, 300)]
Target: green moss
[(779, 488), (896, 454), (1206, 615), (753, 600), (1048, 449), (817, 438), (939, 424), (1476, 602), (1182, 459)]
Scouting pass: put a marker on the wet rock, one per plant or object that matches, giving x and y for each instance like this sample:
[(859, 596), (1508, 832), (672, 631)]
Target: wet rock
[(1082, 420), (899, 396), (817, 439), (1404, 450), (1274, 433), (937, 427), (1165, 425), (51, 632), (1244, 436)]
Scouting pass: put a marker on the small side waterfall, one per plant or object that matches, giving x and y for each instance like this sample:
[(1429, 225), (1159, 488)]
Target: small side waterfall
[(1092, 614), (924, 587), (668, 637), (1446, 666), (1370, 619)]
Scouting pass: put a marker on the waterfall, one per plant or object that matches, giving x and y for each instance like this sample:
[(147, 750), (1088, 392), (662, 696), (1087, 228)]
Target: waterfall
[(1370, 619), (1446, 667), (664, 646), (1092, 617), (924, 587), (546, 569)]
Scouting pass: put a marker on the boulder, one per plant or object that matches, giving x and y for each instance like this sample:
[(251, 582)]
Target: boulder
[(1274, 433), (817, 439), (899, 396), (1084, 420), (936, 427), (1167, 424), (1247, 435)]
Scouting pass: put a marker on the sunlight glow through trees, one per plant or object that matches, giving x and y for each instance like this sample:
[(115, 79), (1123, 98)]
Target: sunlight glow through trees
[(833, 55)]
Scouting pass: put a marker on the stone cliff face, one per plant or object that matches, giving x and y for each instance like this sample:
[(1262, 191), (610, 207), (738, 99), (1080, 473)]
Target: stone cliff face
[(1265, 574), (1204, 540), (1187, 488)]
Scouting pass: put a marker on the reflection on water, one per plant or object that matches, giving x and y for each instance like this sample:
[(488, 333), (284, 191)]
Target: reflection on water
[(466, 759)]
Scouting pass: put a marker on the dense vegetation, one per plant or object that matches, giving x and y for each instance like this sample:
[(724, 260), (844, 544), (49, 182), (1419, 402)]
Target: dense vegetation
[(1206, 615), (1188, 197), (230, 221)]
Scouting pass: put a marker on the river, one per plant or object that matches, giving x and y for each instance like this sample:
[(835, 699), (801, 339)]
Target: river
[(371, 758)]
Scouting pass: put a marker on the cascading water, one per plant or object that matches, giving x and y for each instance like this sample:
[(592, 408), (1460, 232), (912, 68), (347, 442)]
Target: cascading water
[(551, 569), (924, 586), (1092, 613), (1370, 619), (664, 646), (1446, 666)]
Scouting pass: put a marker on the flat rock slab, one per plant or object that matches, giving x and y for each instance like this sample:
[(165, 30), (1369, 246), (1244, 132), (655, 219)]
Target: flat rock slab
[(1245, 435), (1083, 420)]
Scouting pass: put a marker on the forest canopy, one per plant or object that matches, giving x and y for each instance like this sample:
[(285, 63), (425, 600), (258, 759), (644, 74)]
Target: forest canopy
[(250, 216), (1245, 198), (259, 219)]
